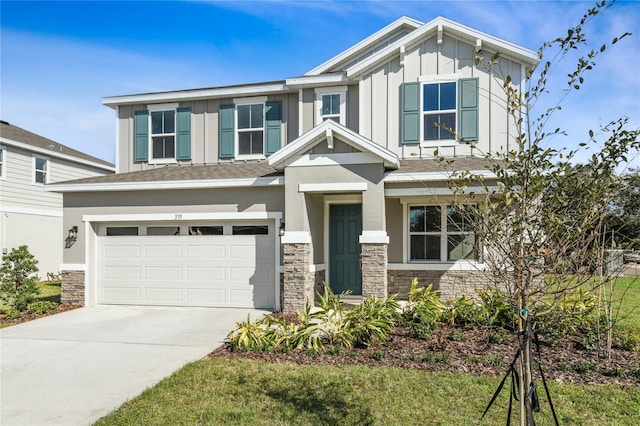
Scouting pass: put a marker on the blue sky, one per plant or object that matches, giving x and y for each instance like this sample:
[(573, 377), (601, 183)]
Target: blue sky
[(58, 59)]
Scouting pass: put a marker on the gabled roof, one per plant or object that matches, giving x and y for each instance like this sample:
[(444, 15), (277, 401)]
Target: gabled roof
[(358, 49), (329, 129), (439, 26), (15, 136)]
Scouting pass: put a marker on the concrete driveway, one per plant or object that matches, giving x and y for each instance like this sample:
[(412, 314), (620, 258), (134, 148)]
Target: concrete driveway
[(73, 368)]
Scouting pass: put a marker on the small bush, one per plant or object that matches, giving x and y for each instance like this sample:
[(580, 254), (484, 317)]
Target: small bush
[(497, 337), (588, 341), (18, 279), (458, 336), (586, 367), (498, 309), (614, 371), (379, 355), (422, 312), (12, 313), (371, 320), (464, 310), (42, 307), (626, 338)]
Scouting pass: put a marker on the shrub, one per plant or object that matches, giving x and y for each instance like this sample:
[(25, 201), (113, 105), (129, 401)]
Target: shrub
[(627, 338), (42, 307), (464, 310), (249, 336), (423, 310), (371, 320), (17, 278), (12, 313), (498, 309)]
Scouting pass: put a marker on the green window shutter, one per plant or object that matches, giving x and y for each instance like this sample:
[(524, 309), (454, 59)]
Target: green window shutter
[(273, 124), (468, 124), (183, 134), (141, 136), (226, 130), (410, 113)]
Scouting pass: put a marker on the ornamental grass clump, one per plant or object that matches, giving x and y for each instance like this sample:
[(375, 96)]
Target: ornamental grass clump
[(423, 311)]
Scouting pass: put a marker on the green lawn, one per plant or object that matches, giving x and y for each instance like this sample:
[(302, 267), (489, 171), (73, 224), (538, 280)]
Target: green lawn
[(49, 291), (628, 289), (245, 392)]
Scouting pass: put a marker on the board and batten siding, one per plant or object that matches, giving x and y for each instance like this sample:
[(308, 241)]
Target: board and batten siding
[(204, 130), (379, 109)]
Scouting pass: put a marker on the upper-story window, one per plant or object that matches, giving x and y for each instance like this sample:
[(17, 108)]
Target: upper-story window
[(439, 111), (250, 129), (40, 170), (2, 163), (331, 104), (163, 134)]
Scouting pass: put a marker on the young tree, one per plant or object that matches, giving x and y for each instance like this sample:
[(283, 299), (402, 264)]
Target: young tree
[(540, 220), (18, 279)]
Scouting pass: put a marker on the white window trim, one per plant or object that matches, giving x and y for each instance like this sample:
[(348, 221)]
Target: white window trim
[(443, 78), (250, 101), (337, 90), (3, 162), (47, 170), (163, 107), (443, 232)]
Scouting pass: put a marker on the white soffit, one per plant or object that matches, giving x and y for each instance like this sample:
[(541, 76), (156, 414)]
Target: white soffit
[(320, 132), (432, 176), (365, 44), (488, 42)]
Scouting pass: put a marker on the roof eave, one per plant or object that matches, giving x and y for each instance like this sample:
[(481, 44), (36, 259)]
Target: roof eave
[(196, 94)]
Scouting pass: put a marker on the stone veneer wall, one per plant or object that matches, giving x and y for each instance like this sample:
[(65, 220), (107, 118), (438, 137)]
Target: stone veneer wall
[(72, 288), (374, 269), (298, 285), (451, 284)]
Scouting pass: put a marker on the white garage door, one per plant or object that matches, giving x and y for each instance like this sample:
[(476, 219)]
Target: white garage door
[(212, 265)]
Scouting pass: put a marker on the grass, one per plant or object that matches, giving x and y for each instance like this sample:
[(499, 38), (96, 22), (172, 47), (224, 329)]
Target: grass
[(245, 392), (627, 290)]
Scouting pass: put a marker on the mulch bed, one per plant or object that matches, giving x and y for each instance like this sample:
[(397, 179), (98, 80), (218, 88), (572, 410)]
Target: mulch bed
[(468, 349), (28, 316)]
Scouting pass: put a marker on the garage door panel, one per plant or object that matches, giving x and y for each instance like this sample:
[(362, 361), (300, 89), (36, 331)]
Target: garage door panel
[(123, 294), (163, 295), (216, 271), (206, 297), (162, 252), (122, 251), (212, 252), (163, 273), (206, 274), (122, 273)]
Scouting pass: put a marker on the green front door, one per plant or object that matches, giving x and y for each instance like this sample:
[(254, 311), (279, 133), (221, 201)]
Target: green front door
[(345, 227)]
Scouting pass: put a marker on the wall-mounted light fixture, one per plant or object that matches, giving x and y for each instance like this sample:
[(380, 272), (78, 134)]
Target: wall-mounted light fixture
[(281, 231), (72, 236)]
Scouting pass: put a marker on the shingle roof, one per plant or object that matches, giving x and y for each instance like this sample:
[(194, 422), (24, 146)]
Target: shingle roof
[(175, 172), (255, 169), (434, 165), (17, 134)]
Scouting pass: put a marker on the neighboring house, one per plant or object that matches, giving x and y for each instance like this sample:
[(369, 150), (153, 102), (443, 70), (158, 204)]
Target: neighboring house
[(30, 215), (253, 195)]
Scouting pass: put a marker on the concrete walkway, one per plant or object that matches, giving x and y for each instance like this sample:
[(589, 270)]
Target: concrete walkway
[(73, 368)]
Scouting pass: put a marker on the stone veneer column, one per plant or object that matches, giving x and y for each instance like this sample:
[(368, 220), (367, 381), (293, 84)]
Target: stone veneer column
[(72, 288), (298, 286), (374, 269)]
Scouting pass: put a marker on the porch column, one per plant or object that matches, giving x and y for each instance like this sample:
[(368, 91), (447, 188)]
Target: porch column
[(374, 263), (298, 285)]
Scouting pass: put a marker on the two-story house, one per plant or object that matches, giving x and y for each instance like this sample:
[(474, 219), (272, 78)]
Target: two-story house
[(30, 215), (253, 195)]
